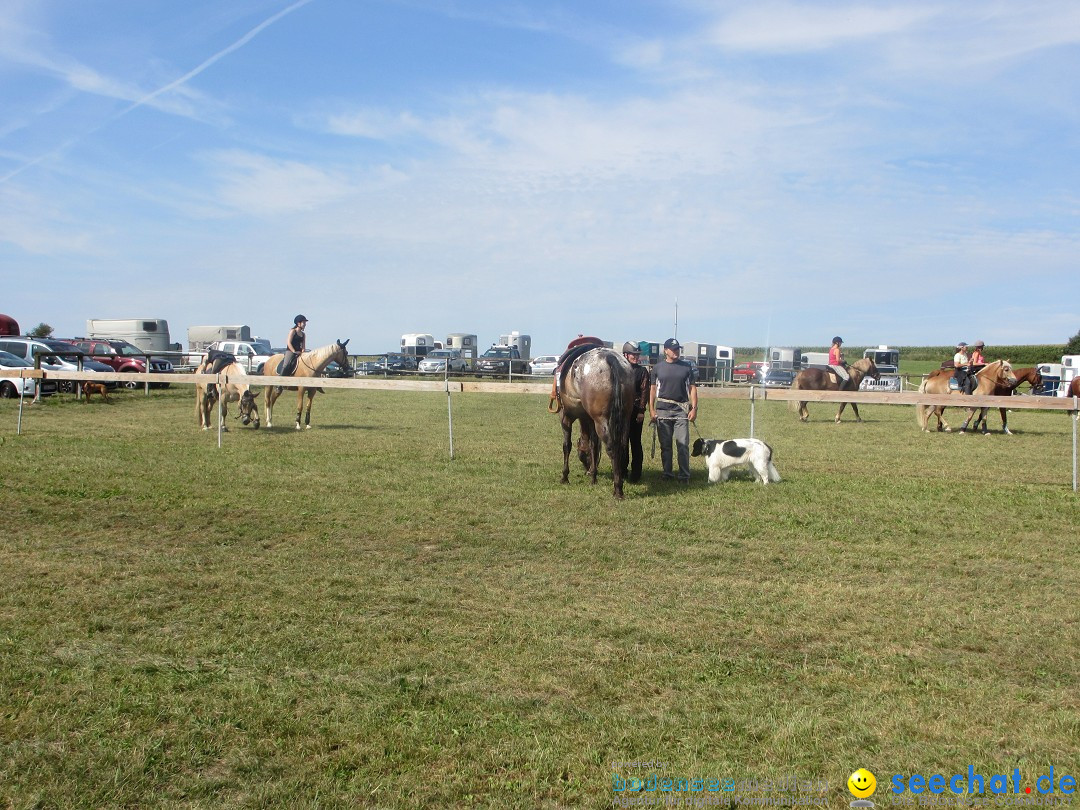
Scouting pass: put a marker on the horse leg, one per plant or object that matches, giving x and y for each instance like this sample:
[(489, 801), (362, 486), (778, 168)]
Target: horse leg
[(268, 401), (567, 445), (839, 411), (307, 413), (1005, 421), (942, 425), (299, 406), (594, 454), (855, 408), (804, 414), (964, 427)]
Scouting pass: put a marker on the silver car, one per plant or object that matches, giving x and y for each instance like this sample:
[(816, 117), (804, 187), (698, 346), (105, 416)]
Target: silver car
[(437, 360), (544, 365)]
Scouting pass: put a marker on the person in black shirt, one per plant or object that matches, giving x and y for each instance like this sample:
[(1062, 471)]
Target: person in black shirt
[(673, 406)]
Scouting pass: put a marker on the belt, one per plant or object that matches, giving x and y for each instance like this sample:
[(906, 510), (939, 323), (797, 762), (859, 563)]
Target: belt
[(673, 401)]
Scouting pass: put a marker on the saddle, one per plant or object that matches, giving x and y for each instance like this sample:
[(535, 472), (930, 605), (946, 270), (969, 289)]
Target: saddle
[(574, 350), (216, 362)]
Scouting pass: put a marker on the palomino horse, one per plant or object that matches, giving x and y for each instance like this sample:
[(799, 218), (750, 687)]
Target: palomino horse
[(236, 390), (991, 378), (817, 379), (309, 364), (1031, 376), (598, 392)]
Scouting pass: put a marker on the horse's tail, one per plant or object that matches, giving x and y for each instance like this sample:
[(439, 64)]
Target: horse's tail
[(922, 412), (793, 405), (617, 421)]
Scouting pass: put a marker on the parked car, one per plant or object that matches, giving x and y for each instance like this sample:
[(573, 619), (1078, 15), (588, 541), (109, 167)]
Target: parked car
[(125, 357), (544, 365), (249, 355), (11, 386), (437, 360), (779, 378), (747, 372), (52, 353), (500, 361), (334, 370), (367, 367)]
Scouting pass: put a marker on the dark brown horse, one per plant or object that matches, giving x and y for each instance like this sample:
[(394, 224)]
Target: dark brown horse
[(818, 379), (1074, 387), (991, 378), (598, 392)]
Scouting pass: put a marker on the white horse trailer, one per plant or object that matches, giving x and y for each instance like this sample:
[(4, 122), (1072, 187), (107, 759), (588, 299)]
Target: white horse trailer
[(465, 343), (149, 334), (522, 342), (417, 344), (704, 354)]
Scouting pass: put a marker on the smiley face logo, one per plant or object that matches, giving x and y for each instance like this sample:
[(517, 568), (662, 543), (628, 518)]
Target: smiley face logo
[(862, 784)]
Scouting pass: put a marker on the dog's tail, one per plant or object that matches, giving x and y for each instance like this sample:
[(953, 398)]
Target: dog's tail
[(774, 474)]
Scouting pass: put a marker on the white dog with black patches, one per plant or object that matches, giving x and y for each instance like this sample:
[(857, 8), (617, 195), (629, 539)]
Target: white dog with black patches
[(721, 455)]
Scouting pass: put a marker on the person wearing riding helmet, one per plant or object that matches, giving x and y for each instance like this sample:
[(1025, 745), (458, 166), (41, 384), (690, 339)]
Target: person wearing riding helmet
[(836, 361), (634, 454), (295, 345), (962, 368)]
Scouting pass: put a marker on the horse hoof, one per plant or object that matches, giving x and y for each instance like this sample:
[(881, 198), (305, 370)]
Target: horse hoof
[(307, 427)]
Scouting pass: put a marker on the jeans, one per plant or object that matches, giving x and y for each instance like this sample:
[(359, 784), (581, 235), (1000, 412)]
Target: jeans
[(671, 423)]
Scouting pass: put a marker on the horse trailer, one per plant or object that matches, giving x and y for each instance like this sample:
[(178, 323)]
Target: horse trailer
[(149, 334), (417, 344), (523, 343), (785, 358), (199, 337), (465, 343), (887, 360)]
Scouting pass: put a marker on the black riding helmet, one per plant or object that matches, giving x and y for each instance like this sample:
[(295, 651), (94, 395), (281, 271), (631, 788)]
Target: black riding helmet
[(837, 339), (298, 319)]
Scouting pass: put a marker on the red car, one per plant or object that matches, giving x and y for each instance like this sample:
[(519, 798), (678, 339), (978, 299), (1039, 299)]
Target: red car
[(747, 372), (124, 357)]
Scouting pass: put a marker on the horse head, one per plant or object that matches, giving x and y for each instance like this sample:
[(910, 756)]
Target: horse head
[(868, 367), (341, 357), (249, 411)]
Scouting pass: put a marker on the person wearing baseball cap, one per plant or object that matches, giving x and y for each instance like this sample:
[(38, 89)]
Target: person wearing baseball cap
[(962, 368), (635, 454), (673, 403)]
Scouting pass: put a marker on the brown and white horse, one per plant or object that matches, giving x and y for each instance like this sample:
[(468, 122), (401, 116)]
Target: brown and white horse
[(598, 392), (817, 379), (309, 364), (237, 389), (991, 378)]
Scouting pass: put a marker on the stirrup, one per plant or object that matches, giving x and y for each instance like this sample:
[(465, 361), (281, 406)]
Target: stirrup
[(556, 402)]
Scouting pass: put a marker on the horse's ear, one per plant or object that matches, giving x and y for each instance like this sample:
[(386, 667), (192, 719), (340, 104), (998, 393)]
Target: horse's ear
[(346, 343)]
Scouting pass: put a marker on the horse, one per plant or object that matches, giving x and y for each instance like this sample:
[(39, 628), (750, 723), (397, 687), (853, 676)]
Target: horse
[(598, 392), (309, 364), (206, 396), (818, 379), (1031, 376), (990, 378)]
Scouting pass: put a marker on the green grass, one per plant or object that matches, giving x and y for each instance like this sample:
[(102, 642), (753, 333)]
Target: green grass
[(344, 617)]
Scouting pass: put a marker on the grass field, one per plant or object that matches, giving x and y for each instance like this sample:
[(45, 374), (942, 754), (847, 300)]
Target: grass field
[(344, 617)]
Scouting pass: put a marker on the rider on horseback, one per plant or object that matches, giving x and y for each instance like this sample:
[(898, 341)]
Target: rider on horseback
[(965, 380), (836, 362)]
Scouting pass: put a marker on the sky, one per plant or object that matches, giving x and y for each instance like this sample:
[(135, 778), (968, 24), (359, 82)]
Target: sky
[(770, 173)]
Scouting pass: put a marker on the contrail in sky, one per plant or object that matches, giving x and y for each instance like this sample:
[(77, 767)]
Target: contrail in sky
[(191, 74)]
